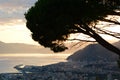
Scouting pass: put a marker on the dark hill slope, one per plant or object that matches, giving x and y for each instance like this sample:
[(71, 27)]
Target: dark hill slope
[(93, 52)]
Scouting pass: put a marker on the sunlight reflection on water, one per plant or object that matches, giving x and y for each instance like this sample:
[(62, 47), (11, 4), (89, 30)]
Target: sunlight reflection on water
[(8, 61)]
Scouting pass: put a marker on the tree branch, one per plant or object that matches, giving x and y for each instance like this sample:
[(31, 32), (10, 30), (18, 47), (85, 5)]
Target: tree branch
[(115, 22), (80, 40), (114, 34)]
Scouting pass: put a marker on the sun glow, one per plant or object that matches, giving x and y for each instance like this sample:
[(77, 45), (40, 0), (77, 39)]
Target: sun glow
[(15, 32), (34, 55), (103, 25), (110, 27)]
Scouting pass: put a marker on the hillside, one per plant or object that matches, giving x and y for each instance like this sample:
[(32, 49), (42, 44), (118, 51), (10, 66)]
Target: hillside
[(94, 52), (21, 48)]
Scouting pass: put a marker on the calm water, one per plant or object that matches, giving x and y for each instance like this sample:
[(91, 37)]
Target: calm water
[(8, 61)]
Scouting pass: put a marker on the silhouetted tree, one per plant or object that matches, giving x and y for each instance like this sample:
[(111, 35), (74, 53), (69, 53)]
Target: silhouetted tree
[(52, 21)]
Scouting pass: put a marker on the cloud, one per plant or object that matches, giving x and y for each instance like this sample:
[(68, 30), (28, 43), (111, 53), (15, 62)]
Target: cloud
[(12, 21), (12, 10), (17, 3)]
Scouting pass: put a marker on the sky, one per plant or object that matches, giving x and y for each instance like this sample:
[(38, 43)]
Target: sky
[(12, 22)]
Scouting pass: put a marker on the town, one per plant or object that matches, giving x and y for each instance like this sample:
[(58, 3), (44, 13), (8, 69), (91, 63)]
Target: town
[(66, 70)]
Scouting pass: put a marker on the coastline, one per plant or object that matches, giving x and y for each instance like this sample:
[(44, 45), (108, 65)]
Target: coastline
[(64, 71)]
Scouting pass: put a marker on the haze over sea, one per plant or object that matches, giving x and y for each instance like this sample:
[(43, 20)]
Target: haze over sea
[(9, 60)]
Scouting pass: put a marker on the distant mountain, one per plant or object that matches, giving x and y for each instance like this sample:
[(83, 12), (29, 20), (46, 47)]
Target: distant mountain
[(94, 52), (21, 48)]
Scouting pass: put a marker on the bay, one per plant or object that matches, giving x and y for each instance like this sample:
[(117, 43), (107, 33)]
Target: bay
[(9, 60)]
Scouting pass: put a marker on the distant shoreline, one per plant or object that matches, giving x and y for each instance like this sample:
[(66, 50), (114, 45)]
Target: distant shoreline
[(65, 70)]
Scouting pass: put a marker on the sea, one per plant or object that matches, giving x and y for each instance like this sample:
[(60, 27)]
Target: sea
[(9, 60)]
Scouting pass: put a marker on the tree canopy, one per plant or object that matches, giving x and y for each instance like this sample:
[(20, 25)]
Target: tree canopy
[(52, 21)]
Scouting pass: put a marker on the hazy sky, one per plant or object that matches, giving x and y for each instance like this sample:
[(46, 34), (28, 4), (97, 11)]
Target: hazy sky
[(12, 22)]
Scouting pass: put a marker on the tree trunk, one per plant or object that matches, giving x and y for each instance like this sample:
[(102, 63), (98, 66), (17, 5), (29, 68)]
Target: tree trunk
[(105, 44), (100, 40)]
